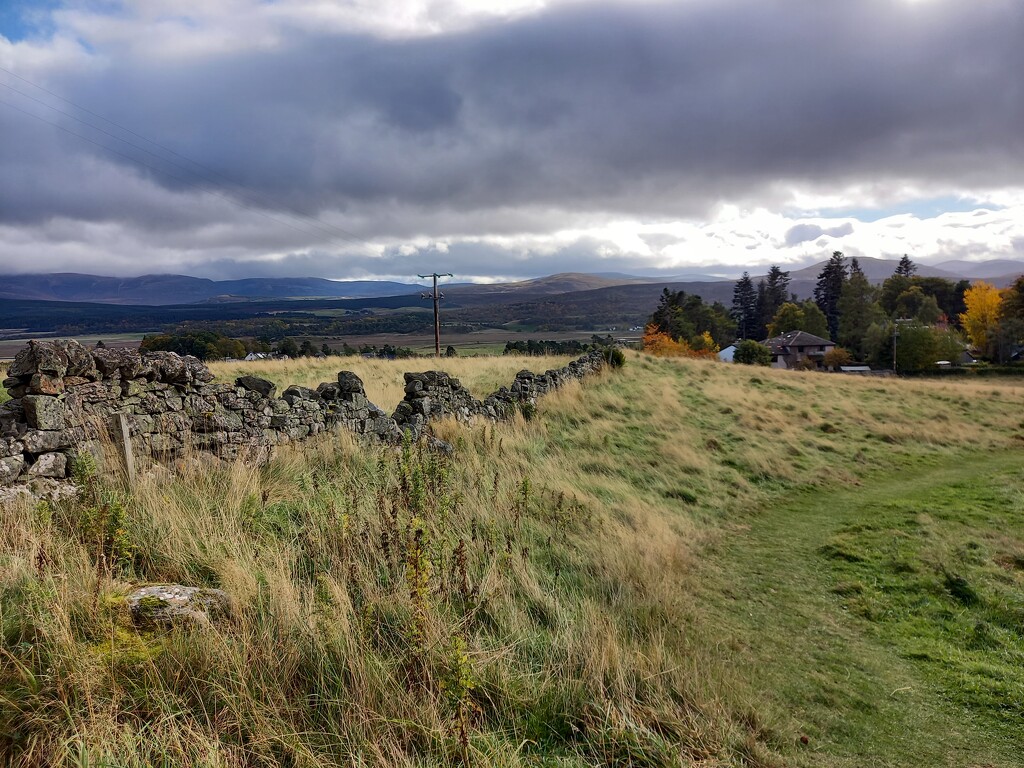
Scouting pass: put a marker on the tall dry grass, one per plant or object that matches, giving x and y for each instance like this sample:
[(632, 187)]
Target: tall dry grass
[(527, 601)]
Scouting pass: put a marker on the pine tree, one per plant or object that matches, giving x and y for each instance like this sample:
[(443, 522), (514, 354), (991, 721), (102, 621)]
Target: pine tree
[(761, 312), (906, 267), (744, 307), (776, 293), (828, 290)]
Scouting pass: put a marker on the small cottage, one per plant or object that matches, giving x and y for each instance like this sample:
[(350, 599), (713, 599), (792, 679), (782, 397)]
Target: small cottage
[(798, 349)]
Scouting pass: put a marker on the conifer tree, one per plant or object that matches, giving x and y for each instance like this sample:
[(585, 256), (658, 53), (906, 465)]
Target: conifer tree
[(906, 268), (776, 293), (828, 290), (744, 307)]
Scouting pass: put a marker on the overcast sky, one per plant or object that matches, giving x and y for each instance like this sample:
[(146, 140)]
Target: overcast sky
[(508, 138)]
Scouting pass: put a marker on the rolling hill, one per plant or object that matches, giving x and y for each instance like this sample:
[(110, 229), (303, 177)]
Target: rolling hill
[(156, 290)]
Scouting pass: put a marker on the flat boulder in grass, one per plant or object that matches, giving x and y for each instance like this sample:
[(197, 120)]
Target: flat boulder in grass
[(165, 605)]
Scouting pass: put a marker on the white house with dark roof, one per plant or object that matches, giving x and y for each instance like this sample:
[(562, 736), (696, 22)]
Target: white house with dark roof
[(792, 349)]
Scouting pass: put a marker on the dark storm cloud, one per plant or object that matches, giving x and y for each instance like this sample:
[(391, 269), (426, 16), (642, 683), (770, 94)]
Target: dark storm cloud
[(654, 110)]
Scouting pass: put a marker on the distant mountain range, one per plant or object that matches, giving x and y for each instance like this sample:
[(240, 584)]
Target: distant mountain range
[(164, 290), (157, 290)]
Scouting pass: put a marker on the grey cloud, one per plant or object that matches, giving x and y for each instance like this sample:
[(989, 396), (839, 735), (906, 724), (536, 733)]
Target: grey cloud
[(652, 110), (802, 233)]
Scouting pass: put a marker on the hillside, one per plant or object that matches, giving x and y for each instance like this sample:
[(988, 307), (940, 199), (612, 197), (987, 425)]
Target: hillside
[(679, 563), (158, 290)]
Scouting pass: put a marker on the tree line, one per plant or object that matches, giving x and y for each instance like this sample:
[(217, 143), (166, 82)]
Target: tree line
[(920, 320)]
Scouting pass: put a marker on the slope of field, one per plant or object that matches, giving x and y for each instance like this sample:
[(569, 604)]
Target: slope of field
[(680, 563)]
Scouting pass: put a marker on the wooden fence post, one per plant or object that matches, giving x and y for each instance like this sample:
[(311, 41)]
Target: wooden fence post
[(125, 443)]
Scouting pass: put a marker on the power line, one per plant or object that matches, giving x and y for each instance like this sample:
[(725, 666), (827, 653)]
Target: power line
[(437, 315), (303, 218)]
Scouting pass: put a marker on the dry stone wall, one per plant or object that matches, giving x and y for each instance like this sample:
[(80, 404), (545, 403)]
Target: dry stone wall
[(66, 399)]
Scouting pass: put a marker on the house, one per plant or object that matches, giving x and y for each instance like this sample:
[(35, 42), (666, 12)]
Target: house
[(798, 349), (726, 355)]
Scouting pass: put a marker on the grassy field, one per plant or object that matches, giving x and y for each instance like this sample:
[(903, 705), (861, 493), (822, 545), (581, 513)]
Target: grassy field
[(680, 563)]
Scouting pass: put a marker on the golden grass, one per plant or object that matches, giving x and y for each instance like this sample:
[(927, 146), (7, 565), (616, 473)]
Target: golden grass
[(565, 632), (383, 380)]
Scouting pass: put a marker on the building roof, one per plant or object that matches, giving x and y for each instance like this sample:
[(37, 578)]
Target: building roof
[(781, 344)]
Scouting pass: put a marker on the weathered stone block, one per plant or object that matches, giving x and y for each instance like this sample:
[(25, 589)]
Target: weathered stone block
[(296, 393), (216, 421), (43, 412), (10, 469), (256, 384), (49, 465), (328, 390), (9, 446), (117, 363), (40, 357), (350, 382), (40, 441), (160, 443), (132, 389)]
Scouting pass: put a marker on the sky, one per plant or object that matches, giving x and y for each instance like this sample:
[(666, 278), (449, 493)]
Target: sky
[(506, 139)]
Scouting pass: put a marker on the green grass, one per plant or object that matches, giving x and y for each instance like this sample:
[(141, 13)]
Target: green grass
[(681, 563), (887, 621)]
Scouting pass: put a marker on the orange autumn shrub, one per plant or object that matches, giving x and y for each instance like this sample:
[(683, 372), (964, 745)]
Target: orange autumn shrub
[(660, 344)]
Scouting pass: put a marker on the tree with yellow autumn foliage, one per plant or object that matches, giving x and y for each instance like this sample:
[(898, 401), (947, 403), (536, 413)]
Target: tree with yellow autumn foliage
[(981, 320)]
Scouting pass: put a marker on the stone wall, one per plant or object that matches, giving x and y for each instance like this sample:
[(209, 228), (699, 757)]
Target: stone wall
[(66, 399)]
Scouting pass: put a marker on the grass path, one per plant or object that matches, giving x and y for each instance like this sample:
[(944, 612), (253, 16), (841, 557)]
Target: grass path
[(885, 622)]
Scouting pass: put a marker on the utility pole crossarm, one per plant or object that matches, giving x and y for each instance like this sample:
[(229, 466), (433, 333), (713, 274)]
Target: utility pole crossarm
[(436, 298)]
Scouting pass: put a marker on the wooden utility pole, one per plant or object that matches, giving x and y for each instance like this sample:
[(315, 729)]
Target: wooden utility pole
[(437, 316)]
